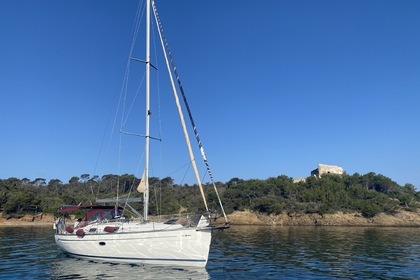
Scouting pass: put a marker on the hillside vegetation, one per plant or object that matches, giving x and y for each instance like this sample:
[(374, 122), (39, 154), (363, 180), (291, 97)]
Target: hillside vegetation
[(369, 194)]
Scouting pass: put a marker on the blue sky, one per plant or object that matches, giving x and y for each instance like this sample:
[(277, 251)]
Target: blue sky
[(276, 87)]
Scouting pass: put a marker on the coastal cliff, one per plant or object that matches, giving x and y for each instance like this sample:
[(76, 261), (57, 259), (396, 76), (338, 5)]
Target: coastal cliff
[(402, 218)]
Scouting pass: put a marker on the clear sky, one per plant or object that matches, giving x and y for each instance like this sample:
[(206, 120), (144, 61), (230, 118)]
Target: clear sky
[(276, 86)]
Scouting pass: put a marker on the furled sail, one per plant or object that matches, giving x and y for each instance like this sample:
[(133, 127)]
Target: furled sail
[(142, 185)]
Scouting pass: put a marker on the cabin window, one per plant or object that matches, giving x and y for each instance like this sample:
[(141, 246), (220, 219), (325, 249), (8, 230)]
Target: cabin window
[(102, 243), (95, 217), (108, 215)]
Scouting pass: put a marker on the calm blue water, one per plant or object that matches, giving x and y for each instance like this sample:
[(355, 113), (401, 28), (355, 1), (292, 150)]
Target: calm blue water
[(242, 252)]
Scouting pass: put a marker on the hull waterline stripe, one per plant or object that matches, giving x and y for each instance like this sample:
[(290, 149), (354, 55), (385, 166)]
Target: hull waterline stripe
[(135, 259)]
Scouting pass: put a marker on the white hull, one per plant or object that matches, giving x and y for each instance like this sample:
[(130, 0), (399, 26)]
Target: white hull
[(167, 245)]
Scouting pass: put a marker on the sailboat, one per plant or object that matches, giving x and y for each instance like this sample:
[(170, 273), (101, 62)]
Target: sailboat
[(106, 234)]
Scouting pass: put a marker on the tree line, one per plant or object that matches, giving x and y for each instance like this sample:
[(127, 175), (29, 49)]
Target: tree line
[(368, 194)]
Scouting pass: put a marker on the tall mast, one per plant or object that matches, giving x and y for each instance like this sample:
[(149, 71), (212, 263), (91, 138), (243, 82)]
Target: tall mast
[(146, 169)]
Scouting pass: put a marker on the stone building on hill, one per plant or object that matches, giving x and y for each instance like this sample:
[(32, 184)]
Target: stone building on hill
[(322, 169), (327, 169)]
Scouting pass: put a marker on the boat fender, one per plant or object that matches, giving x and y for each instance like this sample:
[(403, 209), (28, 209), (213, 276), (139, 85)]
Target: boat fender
[(69, 229), (80, 232), (109, 229)]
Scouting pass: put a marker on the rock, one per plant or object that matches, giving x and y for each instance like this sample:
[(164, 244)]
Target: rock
[(402, 218), (44, 217), (27, 219)]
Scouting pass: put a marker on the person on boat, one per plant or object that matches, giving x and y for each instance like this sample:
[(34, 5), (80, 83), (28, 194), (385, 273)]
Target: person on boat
[(58, 225)]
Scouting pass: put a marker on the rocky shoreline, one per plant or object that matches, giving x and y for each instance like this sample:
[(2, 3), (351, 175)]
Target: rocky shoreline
[(400, 219), (28, 220)]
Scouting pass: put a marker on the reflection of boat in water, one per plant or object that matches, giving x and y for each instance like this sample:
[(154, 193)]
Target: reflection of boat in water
[(74, 268), (105, 233)]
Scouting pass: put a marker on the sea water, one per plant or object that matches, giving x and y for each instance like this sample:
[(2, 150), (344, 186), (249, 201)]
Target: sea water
[(241, 252)]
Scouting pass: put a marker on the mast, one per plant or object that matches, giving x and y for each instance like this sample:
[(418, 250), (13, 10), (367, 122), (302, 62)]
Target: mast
[(147, 144)]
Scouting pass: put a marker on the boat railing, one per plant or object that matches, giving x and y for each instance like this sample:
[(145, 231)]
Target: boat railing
[(184, 219), (67, 226)]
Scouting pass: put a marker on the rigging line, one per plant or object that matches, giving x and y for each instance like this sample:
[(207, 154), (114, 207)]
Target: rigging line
[(179, 168), (99, 153), (158, 98), (157, 82), (128, 196), (97, 190), (156, 202), (139, 162), (122, 92), (142, 80), (139, 15), (185, 174), (197, 137), (136, 28), (128, 72), (204, 176), (160, 198), (134, 100), (120, 145)]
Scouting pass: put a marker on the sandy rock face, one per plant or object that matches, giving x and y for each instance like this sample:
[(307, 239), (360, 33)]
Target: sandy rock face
[(28, 219), (402, 218), (44, 217)]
